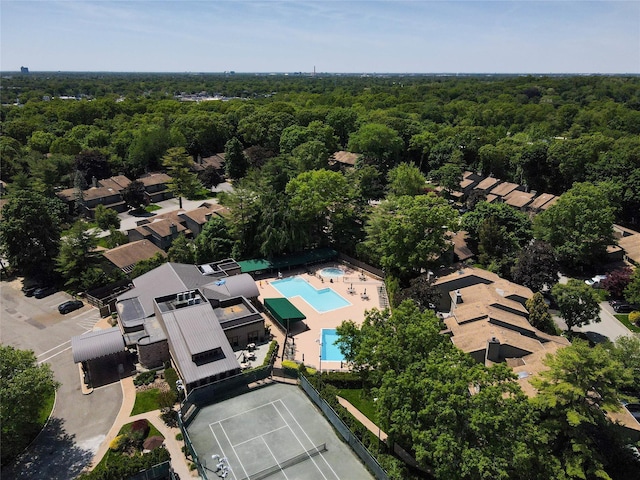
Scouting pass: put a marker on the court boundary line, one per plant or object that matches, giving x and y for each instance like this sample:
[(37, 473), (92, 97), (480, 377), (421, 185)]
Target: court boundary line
[(301, 444), (308, 438), (261, 437)]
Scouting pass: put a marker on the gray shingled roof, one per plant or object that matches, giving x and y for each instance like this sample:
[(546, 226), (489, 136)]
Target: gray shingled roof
[(96, 344)]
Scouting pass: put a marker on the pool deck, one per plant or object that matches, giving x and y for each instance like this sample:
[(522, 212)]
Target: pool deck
[(307, 332)]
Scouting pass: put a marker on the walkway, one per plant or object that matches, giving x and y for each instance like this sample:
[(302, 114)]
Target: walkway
[(178, 459)]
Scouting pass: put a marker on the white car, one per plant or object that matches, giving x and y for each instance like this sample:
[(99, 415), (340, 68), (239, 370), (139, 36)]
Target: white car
[(595, 282)]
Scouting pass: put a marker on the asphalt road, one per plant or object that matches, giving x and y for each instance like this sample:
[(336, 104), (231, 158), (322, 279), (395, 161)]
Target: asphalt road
[(78, 423), (608, 328)]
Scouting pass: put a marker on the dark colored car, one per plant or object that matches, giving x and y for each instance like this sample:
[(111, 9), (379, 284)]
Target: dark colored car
[(44, 292), (625, 308), (70, 306), (29, 290)]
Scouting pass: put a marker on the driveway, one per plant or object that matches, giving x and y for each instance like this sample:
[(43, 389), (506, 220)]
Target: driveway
[(78, 422), (609, 327)]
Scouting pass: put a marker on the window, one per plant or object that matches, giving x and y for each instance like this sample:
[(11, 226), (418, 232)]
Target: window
[(252, 337)]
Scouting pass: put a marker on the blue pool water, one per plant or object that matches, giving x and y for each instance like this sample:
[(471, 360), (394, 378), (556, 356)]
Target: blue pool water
[(332, 272), (330, 350), (322, 301)]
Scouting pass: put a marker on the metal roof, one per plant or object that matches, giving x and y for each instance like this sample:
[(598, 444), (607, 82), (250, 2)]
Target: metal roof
[(99, 343), (196, 329), (283, 311), (242, 285)]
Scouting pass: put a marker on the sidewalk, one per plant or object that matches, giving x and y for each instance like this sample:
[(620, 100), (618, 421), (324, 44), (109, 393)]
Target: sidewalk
[(178, 459)]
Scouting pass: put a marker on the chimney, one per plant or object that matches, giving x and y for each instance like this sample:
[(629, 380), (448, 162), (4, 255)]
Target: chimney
[(199, 159), (94, 182), (173, 229), (493, 349), (207, 217), (459, 297)]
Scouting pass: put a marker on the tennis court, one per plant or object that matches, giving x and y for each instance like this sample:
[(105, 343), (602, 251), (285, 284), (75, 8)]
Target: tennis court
[(274, 432)]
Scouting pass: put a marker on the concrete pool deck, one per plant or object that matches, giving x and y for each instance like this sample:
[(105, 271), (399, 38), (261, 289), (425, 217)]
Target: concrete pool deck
[(307, 349)]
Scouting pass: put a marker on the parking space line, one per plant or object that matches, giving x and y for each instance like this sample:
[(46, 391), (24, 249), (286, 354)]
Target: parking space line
[(54, 348), (54, 355)]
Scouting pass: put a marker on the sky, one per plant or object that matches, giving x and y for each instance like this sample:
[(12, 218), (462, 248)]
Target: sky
[(384, 36)]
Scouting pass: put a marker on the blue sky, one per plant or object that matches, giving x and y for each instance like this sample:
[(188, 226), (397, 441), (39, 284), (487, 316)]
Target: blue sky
[(419, 36)]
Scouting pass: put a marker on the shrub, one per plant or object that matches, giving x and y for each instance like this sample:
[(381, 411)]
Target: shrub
[(179, 437), (170, 376), (192, 466), (118, 443), (142, 426), (273, 348), (170, 418), (167, 398), (145, 378), (634, 317)]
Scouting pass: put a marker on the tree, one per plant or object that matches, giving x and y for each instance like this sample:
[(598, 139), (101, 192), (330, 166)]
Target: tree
[(539, 315), (617, 281), (632, 291), (448, 176), (406, 179), (235, 163), (511, 221), (421, 291), (181, 250), (30, 231), (379, 145), (344, 122), (627, 351), (214, 242), (312, 155), (134, 195), (78, 256), (144, 266), (406, 234), (25, 387), (577, 303), (184, 183), (579, 225), (106, 218), (92, 164), (574, 394), (536, 266)]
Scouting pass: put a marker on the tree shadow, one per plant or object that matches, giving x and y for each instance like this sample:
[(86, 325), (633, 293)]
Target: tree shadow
[(53, 455)]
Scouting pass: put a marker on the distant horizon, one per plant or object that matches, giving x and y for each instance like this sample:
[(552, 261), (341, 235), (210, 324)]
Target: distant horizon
[(366, 36)]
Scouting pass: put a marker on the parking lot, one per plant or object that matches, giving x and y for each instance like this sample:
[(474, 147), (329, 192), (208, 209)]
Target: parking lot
[(79, 422)]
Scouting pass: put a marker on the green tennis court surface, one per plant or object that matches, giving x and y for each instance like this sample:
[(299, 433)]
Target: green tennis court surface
[(274, 432)]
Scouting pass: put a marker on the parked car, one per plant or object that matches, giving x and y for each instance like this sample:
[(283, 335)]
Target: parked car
[(29, 290), (44, 292), (625, 307), (595, 281), (70, 306)]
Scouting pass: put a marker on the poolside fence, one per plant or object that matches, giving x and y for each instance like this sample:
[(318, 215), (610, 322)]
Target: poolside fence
[(344, 431), (359, 264), (156, 472)]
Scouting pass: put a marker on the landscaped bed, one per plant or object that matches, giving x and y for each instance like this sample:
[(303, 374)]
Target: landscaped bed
[(624, 319)]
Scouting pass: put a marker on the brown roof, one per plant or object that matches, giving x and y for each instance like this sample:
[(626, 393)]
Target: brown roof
[(460, 247), (487, 184), (491, 198), (504, 188), (518, 199), (540, 200), (163, 227), (118, 182), (216, 161), (154, 179), (199, 215), (127, 255), (346, 158), (631, 246), (549, 203)]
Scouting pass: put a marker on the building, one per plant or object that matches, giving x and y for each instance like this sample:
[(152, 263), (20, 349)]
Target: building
[(107, 192), (126, 256), (195, 315), (156, 187), (485, 316)]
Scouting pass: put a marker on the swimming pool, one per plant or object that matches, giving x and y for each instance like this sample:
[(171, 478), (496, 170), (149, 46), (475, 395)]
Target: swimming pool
[(322, 301), (331, 272), (330, 351)]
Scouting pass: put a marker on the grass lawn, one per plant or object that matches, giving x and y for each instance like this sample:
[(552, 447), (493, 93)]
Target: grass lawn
[(152, 208), (625, 320), (365, 405), (46, 409), (146, 401)]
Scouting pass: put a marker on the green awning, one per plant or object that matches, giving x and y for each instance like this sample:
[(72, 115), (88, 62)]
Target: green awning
[(283, 311), (255, 265)]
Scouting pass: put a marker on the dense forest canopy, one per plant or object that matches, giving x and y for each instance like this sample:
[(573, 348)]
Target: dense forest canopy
[(545, 132)]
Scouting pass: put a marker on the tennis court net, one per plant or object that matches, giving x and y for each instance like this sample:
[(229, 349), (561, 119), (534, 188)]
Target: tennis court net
[(288, 463)]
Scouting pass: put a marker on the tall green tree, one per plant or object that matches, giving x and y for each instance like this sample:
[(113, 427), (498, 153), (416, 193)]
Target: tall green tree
[(25, 387), (78, 256), (632, 290), (379, 145), (184, 182), (579, 226), (577, 303), (406, 234), (30, 231), (539, 315), (145, 266), (536, 266), (574, 394), (215, 241), (235, 162), (134, 195), (106, 218), (406, 179), (181, 250)]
